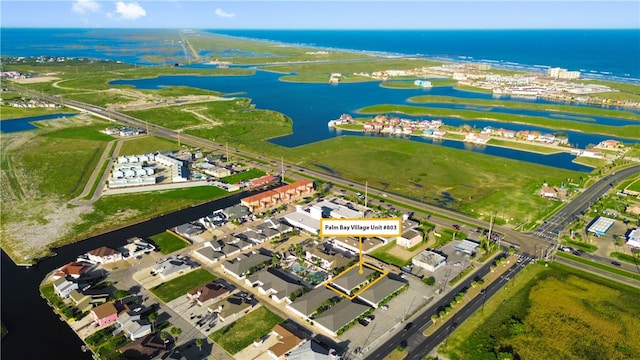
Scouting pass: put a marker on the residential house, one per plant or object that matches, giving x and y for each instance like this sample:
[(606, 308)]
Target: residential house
[(352, 279), (148, 347), (287, 341), (306, 305), (379, 291), (312, 350), (548, 192), (278, 196), (339, 315), (63, 287), (172, 266), (74, 269), (104, 314), (207, 294), (85, 302), (229, 308), (133, 326), (272, 284), (241, 265), (633, 239), (409, 238), (609, 144), (104, 255)]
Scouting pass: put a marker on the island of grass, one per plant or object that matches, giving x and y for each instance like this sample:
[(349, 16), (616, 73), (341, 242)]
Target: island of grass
[(179, 286), (244, 331), (596, 319)]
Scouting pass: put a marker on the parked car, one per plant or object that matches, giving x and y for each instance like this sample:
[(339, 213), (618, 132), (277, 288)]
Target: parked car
[(615, 263), (363, 322), (384, 307), (456, 227), (408, 326)]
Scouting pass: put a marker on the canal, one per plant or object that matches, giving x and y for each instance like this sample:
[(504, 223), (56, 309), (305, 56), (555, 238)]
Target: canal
[(35, 331)]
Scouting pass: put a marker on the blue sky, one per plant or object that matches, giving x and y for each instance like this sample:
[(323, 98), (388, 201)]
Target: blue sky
[(344, 14)]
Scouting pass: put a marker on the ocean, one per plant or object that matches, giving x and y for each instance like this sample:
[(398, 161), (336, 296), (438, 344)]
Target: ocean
[(599, 54), (606, 54)]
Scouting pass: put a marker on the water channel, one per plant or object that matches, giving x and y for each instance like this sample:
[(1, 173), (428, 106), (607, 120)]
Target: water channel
[(35, 331), (312, 105)]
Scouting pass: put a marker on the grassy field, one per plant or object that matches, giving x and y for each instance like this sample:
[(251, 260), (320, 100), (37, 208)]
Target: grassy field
[(168, 242), (179, 286), (243, 176), (383, 254), (147, 144), (625, 257), (233, 121), (635, 186), (118, 210), (594, 320), (627, 131), (471, 183), (241, 333), (592, 162), (523, 146), (609, 268)]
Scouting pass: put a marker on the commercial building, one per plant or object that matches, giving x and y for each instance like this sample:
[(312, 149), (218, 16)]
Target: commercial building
[(429, 260), (601, 225)]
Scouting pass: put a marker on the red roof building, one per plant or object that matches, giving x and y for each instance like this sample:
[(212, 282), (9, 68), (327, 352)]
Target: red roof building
[(75, 269), (281, 195)]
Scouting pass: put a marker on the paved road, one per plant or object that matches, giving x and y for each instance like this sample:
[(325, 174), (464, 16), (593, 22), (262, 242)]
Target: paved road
[(550, 229), (426, 346), (416, 344)]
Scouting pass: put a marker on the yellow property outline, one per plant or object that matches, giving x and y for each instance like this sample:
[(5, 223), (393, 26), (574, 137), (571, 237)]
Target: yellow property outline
[(351, 297), (361, 263)]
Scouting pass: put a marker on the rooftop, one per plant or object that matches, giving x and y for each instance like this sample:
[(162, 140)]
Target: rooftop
[(341, 314), (309, 302), (380, 290)]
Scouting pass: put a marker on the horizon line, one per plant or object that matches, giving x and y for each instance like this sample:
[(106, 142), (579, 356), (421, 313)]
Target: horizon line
[(313, 29)]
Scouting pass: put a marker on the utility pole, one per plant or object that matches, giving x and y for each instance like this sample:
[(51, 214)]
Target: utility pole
[(366, 195), (226, 144)]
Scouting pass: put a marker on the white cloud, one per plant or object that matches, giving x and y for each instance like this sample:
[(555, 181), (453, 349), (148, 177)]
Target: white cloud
[(129, 11), (221, 13), (85, 6)]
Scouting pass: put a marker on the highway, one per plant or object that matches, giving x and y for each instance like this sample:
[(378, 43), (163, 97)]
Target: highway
[(412, 339), (550, 229)]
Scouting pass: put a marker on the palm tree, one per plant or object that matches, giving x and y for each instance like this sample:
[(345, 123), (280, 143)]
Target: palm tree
[(152, 317), (199, 344)]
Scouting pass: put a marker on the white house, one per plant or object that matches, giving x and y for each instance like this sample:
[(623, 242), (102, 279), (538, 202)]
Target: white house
[(633, 239), (429, 260), (63, 287)]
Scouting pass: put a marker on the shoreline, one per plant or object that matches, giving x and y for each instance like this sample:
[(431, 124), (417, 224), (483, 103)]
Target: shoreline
[(523, 68), (466, 142)]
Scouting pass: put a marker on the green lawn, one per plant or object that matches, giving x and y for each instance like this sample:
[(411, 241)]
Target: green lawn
[(581, 245), (625, 257), (592, 162), (382, 254), (526, 321), (241, 333), (243, 176), (523, 146), (635, 186), (177, 287), (168, 242), (147, 144), (9, 112)]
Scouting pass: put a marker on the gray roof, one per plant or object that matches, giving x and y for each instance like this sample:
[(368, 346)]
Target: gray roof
[(309, 302), (210, 254), (352, 278), (243, 263), (269, 280), (310, 350), (236, 211), (380, 290), (341, 314)]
